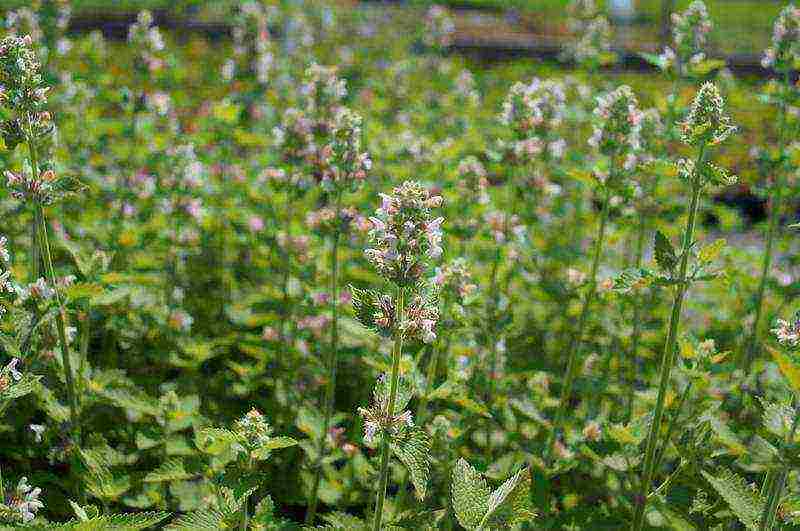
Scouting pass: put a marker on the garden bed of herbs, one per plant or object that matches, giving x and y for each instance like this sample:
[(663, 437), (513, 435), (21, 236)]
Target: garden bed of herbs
[(330, 274)]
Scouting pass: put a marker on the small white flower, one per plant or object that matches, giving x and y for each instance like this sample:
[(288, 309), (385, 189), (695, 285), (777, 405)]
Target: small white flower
[(38, 430)]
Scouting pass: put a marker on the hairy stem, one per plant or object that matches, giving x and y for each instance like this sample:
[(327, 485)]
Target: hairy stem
[(389, 413), (576, 340), (330, 389), (668, 355), (44, 252)]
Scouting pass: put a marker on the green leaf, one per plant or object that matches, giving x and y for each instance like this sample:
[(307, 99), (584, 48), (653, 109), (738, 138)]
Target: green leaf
[(413, 448), (510, 504), (171, 470), (654, 59), (665, 253), (745, 503), (215, 441), (710, 252), (341, 520), (470, 495), (207, 519), (365, 306), (383, 389), (787, 367)]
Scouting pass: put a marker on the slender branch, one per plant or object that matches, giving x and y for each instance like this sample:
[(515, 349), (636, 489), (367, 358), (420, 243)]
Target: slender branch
[(395, 378), (668, 355), (332, 362), (576, 341)]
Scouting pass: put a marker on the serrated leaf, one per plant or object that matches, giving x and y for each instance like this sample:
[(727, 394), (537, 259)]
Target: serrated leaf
[(510, 504), (666, 258), (214, 441), (413, 448), (26, 385), (383, 389), (743, 501), (171, 470), (470, 495), (365, 306), (208, 519), (632, 279)]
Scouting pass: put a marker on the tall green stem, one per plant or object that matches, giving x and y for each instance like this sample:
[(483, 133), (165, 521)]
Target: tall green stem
[(389, 413), (332, 362), (576, 340), (60, 325), (769, 515), (668, 356), (44, 251), (775, 206)]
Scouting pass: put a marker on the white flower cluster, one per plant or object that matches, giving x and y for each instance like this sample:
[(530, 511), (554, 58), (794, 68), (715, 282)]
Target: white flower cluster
[(146, 39), (404, 233), (376, 418), (439, 27), (24, 500), (473, 179), (784, 53), (707, 121), (322, 92), (252, 45), (651, 132), (534, 112), (594, 41), (342, 163), (690, 31), (618, 125), (253, 429), (5, 274), (788, 332)]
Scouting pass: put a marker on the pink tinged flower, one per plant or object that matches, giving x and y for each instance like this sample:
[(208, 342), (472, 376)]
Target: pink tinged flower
[(378, 224), (256, 224)]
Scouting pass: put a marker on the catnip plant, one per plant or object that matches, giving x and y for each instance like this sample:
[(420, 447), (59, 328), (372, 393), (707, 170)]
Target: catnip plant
[(343, 166), (25, 96), (706, 126), (616, 137), (405, 237)]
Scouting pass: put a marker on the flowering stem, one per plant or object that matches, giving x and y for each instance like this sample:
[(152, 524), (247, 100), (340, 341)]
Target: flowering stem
[(776, 488), (44, 252), (775, 206), (576, 341), (332, 362), (60, 325), (668, 355), (389, 413)]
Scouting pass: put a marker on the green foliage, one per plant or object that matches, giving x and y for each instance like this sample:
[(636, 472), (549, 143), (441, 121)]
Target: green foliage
[(742, 499), (476, 507)]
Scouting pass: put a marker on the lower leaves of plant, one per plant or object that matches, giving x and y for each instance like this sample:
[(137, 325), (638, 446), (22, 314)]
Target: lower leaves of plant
[(477, 507)]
